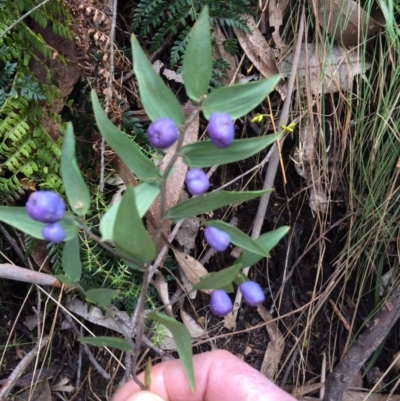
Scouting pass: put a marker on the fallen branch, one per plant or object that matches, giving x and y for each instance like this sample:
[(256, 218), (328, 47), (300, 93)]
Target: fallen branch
[(340, 378), (21, 367), (13, 272)]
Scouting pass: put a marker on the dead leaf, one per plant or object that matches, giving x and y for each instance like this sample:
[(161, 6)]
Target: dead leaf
[(275, 347), (187, 234), (220, 52), (194, 328), (276, 13), (40, 392), (325, 70), (94, 314), (346, 21), (191, 267), (259, 52), (63, 385), (162, 288)]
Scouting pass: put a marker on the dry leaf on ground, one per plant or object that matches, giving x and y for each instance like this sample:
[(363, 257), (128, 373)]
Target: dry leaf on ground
[(276, 12), (325, 70), (346, 21), (273, 353), (191, 267), (195, 330), (259, 52), (220, 52), (161, 286)]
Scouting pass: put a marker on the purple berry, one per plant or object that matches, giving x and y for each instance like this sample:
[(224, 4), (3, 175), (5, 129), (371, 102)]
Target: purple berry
[(220, 303), (53, 232), (197, 181), (252, 293), (221, 130), (162, 133), (45, 206), (217, 239)]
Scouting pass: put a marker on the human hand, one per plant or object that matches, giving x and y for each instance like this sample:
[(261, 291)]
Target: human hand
[(219, 376)]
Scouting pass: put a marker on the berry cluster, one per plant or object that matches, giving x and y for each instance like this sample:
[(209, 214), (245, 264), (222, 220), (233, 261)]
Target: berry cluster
[(47, 207), (221, 304), (163, 133)]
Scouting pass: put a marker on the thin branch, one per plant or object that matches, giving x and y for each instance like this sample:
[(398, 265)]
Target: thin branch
[(20, 19)]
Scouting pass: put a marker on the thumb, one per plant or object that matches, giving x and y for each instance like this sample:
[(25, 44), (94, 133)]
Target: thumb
[(144, 396)]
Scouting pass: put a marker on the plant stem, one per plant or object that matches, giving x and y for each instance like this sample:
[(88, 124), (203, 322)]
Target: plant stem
[(138, 319)]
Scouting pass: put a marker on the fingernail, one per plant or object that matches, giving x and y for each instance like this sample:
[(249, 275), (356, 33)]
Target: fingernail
[(144, 396)]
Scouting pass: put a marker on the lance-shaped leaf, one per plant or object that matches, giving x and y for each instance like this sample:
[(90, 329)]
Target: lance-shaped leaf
[(220, 279), (183, 343), (71, 259), (130, 237), (206, 203), (137, 162), (197, 62), (101, 296), (112, 342), (145, 194), (205, 154), (238, 237), (19, 219), (267, 241), (157, 99), (238, 100), (77, 192)]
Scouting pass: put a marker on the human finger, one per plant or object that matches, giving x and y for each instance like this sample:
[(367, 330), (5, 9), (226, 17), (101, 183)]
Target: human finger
[(219, 376)]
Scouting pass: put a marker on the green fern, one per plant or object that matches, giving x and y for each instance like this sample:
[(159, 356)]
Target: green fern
[(160, 17), (27, 152)]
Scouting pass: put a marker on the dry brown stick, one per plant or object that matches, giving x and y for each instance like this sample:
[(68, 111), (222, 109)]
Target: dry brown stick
[(13, 272), (340, 378), (20, 369), (274, 160)]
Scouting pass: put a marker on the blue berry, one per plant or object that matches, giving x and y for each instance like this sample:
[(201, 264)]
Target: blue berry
[(217, 239), (220, 303), (45, 206), (221, 130), (252, 293), (162, 133), (53, 232), (197, 181)]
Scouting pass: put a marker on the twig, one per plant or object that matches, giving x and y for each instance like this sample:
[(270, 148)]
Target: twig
[(85, 347), (20, 19), (13, 272), (109, 90), (274, 160), (20, 368), (13, 244), (340, 378)]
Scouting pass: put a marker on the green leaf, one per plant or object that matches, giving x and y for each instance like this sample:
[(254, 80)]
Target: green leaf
[(214, 200), (130, 237), (128, 151), (238, 100), (71, 260), (238, 237), (205, 154), (197, 61), (267, 241), (19, 219), (112, 342), (65, 280), (145, 194), (101, 296), (77, 192), (219, 279), (157, 99), (183, 343)]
